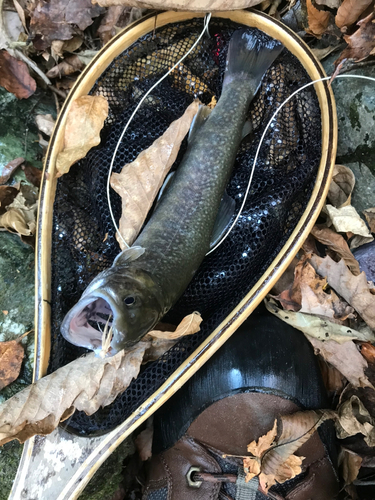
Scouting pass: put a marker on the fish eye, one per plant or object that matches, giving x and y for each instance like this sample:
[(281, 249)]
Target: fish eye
[(129, 301)]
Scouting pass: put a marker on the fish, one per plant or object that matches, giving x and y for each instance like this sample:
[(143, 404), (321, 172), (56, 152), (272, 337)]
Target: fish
[(146, 280)]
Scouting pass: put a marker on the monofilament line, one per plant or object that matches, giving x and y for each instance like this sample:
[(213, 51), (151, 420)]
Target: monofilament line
[(206, 23), (262, 140)]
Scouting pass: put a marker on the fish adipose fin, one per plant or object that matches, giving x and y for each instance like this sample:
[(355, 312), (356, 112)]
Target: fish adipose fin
[(226, 211), (250, 53), (198, 121)]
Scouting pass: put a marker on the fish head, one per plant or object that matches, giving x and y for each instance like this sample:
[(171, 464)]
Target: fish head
[(124, 299)]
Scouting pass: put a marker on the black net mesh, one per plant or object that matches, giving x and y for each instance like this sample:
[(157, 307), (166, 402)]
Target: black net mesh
[(83, 239)]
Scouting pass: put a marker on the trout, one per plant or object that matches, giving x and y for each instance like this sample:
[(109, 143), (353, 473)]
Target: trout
[(146, 280)]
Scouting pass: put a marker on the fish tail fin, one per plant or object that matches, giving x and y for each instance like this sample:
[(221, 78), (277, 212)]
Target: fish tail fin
[(250, 54)]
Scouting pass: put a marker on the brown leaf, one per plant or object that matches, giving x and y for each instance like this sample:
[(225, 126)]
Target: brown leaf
[(349, 463), (143, 442), (107, 29), (11, 357), (368, 352), (15, 76), (19, 215), (55, 20), (188, 326), (341, 187), (85, 384), (82, 130), (192, 5), (347, 220), (354, 418), (45, 123), (360, 45), (277, 460), (33, 174), (369, 213), (345, 357), (320, 327), (140, 181), (7, 195), (338, 244), (350, 11), (333, 380), (354, 289), (58, 47), (66, 67), (318, 19), (9, 169)]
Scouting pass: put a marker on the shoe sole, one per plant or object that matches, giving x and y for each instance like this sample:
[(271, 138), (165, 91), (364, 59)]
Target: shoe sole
[(101, 448)]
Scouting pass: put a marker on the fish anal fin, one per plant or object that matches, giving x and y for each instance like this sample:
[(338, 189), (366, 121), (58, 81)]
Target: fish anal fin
[(226, 211)]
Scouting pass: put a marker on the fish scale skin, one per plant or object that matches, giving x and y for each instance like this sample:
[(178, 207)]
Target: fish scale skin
[(178, 235)]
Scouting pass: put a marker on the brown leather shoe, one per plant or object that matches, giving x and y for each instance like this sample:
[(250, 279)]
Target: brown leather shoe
[(265, 370)]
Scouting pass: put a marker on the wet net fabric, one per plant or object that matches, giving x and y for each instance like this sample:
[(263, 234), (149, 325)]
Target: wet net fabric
[(83, 239)]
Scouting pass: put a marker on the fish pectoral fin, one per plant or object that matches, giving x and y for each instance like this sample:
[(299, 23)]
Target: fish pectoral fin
[(226, 211), (246, 129), (198, 121), (130, 254)]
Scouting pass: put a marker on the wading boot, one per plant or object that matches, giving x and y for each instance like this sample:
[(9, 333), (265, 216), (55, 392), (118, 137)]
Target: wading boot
[(265, 370)]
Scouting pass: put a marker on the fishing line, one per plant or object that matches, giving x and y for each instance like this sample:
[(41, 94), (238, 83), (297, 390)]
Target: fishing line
[(262, 140), (205, 28)]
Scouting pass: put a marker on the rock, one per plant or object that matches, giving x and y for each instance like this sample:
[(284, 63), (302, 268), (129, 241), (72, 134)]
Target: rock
[(364, 190)]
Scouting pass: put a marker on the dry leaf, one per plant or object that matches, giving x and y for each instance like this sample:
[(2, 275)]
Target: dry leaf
[(33, 174), (58, 47), (20, 215), (45, 123), (318, 19), (188, 326), (347, 220), (332, 4), (7, 195), (350, 11), (354, 418), (341, 187), (368, 352), (333, 380), (193, 5), (143, 441), (275, 459), (11, 357), (354, 289), (345, 357), (369, 213), (320, 328), (15, 76), (55, 21), (140, 181), (69, 65), (349, 463), (82, 130), (360, 44), (9, 169), (85, 384), (107, 28), (336, 243)]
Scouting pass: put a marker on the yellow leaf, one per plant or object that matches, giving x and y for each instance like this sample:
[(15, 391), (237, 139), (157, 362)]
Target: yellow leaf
[(140, 181), (264, 442), (318, 19), (82, 130), (189, 325)]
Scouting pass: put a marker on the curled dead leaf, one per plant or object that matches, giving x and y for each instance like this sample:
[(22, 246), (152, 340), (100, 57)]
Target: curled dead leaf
[(354, 289), (188, 326), (369, 213), (45, 123), (143, 441), (361, 43), (15, 76), (347, 220), (350, 11), (19, 215), (341, 187), (33, 174), (318, 19), (139, 182), (82, 130), (354, 418), (349, 463), (68, 66), (338, 244), (9, 169)]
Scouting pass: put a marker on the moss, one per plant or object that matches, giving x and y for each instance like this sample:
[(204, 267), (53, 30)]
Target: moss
[(365, 153), (107, 479), (354, 115), (10, 455)]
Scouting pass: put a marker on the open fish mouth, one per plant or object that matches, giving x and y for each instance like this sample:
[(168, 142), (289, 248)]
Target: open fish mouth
[(85, 323)]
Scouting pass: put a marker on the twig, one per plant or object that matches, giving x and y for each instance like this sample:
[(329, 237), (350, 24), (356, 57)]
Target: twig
[(57, 91), (56, 103)]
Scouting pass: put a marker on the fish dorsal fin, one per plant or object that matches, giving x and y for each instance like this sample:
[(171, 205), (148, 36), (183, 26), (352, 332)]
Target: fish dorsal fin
[(130, 254), (198, 120), (247, 128), (226, 211)]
